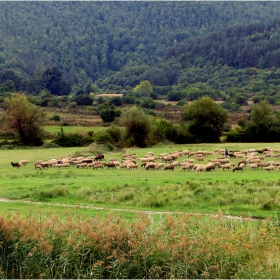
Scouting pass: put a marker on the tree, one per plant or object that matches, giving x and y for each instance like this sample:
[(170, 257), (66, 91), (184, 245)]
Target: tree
[(7, 86), (83, 99), (262, 115), (205, 119), (108, 114), (263, 125), (25, 118), (138, 126), (55, 82), (144, 88)]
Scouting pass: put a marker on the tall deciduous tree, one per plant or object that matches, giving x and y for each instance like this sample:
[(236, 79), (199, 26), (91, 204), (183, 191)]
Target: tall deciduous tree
[(138, 125), (205, 119), (263, 125), (25, 118), (144, 88)]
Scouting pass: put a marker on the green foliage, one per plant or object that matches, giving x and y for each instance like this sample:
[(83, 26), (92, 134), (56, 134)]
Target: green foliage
[(116, 101), (54, 81), (102, 137), (72, 139), (108, 114), (54, 193), (83, 99), (138, 126), (116, 133), (55, 118), (145, 88), (205, 120), (26, 119), (7, 86)]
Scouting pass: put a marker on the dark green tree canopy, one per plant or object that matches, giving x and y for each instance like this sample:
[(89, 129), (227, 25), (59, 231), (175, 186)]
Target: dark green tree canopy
[(55, 82), (205, 120)]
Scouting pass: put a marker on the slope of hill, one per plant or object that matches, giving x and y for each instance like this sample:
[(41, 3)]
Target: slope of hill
[(92, 40)]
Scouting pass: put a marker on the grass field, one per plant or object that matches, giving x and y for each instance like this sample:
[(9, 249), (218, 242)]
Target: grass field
[(88, 192), (73, 129)]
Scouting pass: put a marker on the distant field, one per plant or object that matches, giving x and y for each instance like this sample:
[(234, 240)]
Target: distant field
[(128, 191), (73, 129)]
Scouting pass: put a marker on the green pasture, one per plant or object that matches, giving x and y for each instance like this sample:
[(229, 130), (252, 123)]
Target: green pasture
[(89, 192), (73, 129)]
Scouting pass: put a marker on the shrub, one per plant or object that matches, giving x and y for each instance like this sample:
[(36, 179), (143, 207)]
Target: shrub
[(72, 139), (55, 118), (102, 137)]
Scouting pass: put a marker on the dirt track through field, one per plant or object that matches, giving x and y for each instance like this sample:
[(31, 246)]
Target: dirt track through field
[(122, 209)]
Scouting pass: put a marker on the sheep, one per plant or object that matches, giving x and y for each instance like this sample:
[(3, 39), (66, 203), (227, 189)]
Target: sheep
[(45, 164), (92, 164), (99, 157), (82, 165), (58, 165), (159, 165), (225, 166), (38, 166), (201, 167), (166, 159), (169, 167), (113, 159), (123, 165), (185, 167), (189, 160), (66, 165), (210, 166), (269, 168), (24, 161), (240, 167), (132, 166), (253, 166), (16, 164), (98, 166), (146, 159), (110, 165), (117, 163), (150, 165)]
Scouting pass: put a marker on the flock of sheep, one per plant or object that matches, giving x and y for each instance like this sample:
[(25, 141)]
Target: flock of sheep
[(184, 160)]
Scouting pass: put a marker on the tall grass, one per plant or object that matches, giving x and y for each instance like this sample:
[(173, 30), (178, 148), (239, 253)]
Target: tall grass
[(111, 247)]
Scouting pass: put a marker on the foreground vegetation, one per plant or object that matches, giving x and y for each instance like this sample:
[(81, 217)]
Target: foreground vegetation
[(177, 247)]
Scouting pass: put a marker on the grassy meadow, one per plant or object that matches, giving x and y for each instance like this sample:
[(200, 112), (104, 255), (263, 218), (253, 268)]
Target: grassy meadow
[(73, 129), (253, 193)]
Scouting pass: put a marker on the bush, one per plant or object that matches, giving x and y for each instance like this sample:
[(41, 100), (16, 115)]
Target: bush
[(55, 118), (116, 133), (72, 139), (102, 137)]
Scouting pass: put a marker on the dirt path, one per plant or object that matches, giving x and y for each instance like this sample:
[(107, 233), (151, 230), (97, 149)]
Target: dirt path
[(81, 206)]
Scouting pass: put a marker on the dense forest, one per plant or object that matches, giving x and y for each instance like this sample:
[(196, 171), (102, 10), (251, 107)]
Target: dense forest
[(119, 44)]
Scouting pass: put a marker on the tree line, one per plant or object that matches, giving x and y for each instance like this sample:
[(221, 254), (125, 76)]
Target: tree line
[(202, 121)]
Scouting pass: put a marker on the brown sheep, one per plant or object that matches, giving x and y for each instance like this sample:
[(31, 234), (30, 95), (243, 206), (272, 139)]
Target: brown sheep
[(15, 164), (169, 167)]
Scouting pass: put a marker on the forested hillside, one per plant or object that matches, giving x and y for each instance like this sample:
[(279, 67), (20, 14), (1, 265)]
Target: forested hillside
[(123, 43)]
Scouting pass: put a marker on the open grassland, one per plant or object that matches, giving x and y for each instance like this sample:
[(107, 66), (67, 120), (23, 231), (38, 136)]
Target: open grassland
[(73, 129), (250, 193)]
